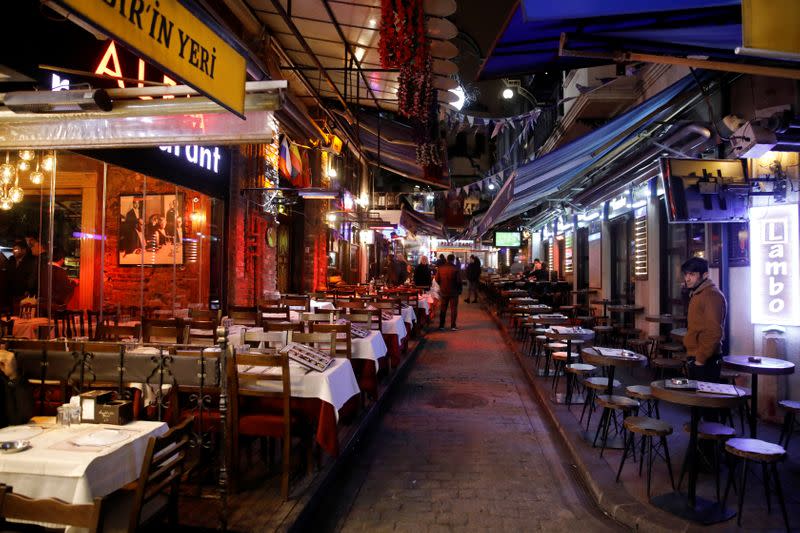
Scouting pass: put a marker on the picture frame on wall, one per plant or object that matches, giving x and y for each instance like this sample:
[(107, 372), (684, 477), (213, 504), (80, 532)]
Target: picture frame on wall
[(151, 229)]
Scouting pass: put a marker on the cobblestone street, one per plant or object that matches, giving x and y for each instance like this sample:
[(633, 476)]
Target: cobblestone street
[(464, 448)]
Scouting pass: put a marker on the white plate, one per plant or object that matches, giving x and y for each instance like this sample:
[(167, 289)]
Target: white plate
[(19, 432), (101, 437)]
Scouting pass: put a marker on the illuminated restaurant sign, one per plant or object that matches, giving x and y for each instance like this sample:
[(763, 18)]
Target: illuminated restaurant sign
[(775, 265), (172, 37)]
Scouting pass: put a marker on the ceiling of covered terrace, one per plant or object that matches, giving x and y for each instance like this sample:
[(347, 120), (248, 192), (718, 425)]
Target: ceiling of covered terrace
[(334, 45)]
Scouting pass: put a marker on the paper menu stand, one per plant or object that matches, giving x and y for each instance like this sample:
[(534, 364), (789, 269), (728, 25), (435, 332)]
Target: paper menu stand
[(355, 330), (307, 356)]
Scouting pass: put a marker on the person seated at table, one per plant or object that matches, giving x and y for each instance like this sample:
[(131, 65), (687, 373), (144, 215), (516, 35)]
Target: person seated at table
[(63, 286), (538, 273), (16, 392)]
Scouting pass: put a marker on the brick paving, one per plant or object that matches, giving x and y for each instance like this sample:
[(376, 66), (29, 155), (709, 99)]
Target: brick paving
[(464, 448)]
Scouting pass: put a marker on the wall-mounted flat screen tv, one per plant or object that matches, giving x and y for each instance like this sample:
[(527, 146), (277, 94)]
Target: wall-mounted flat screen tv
[(705, 190), (507, 239)]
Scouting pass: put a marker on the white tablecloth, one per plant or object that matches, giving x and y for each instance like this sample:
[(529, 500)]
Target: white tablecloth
[(396, 325), (371, 347), (408, 314), (335, 385), (322, 306), (27, 327), (78, 475), (425, 301)]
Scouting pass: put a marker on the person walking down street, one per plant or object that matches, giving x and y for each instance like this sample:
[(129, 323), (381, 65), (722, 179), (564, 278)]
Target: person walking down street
[(473, 276), (705, 321), (423, 273), (441, 260), (449, 279)]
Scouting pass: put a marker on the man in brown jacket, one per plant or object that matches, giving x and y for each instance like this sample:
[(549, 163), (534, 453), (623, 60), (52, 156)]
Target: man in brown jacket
[(705, 321), (448, 276)]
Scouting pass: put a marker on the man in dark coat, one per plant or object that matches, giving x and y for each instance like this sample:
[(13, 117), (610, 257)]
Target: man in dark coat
[(21, 273), (62, 286), (16, 393), (449, 279), (423, 273), (473, 277)]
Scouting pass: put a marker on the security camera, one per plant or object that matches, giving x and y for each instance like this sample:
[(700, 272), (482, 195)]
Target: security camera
[(75, 101)]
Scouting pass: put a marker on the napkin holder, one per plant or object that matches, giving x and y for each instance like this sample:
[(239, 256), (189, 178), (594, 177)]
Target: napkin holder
[(116, 413), (90, 400)]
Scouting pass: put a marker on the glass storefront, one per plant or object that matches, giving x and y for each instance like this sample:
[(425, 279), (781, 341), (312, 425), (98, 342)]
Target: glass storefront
[(87, 235)]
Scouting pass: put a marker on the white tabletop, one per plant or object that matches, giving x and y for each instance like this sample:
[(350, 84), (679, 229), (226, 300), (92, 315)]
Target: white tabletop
[(370, 347), (322, 306), (425, 301), (408, 314), (55, 468), (335, 385), (395, 325)]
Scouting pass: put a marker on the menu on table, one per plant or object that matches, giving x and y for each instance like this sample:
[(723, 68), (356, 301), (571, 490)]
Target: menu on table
[(307, 356), (355, 330), (718, 388)]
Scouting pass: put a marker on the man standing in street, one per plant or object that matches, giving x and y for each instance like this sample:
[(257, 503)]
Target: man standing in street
[(705, 321), (449, 279)]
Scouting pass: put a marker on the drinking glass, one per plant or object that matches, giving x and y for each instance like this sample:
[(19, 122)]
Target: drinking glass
[(63, 415)]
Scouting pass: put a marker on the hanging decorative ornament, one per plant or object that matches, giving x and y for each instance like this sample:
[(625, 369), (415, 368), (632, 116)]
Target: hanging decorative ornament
[(6, 204), (7, 172), (27, 155)]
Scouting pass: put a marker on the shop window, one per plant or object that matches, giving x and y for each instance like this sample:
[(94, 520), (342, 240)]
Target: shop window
[(738, 244), (622, 250), (682, 242)]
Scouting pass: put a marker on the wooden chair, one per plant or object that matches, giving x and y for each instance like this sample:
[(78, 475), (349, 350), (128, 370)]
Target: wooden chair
[(325, 317), (245, 316), (172, 331), (268, 313), (350, 306), (371, 319), (69, 323), (54, 511), (343, 342), (325, 342), (93, 322), (265, 339), (6, 328), (118, 333), (205, 314), (27, 310), (296, 302), (261, 422), (392, 305), (158, 487), (283, 326), (201, 331)]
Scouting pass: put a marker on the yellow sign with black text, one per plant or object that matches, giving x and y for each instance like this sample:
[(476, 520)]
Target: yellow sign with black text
[(771, 25), (172, 37)]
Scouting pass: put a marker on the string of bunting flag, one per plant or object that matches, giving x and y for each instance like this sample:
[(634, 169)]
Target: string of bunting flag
[(454, 118)]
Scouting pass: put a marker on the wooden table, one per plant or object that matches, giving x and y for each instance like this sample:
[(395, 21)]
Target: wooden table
[(567, 334), (665, 318), (678, 334), (694, 508), (625, 310), (605, 302), (767, 366), (596, 357)]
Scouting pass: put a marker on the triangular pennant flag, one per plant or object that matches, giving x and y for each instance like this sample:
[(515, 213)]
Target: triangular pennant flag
[(498, 127), (471, 120)]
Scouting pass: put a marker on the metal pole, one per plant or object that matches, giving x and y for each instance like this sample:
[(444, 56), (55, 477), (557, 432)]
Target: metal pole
[(725, 281), (222, 342), (50, 232), (103, 246)]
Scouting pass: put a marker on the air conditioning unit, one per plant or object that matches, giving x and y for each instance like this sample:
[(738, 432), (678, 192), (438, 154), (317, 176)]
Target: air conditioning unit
[(752, 140), (76, 101)]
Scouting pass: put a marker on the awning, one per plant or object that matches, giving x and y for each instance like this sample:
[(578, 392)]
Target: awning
[(530, 40), (397, 149), (499, 204), (544, 176), (420, 224)]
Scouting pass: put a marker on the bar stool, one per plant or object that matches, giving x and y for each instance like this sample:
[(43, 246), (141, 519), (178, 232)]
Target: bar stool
[(673, 364), (560, 362), (629, 335), (648, 428), (603, 334), (594, 385), (657, 341), (644, 394), (575, 373), (709, 431), (612, 404), (640, 346), (765, 453), (789, 421), (549, 348)]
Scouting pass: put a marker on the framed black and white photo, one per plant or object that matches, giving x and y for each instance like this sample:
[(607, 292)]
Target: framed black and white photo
[(151, 229)]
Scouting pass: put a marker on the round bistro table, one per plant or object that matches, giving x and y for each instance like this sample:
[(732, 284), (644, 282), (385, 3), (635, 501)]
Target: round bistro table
[(568, 335), (690, 506), (767, 366), (595, 357)]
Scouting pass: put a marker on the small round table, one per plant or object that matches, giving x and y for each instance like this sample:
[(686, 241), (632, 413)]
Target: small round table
[(567, 334), (625, 310), (605, 357), (694, 509), (678, 334), (768, 366), (605, 302)]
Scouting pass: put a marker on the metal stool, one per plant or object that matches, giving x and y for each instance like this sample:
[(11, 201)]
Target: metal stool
[(603, 334), (644, 394), (648, 428), (789, 421), (594, 385), (768, 455), (575, 371), (610, 405)]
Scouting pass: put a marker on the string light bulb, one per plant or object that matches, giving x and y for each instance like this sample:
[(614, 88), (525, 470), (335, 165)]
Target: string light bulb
[(5, 204), (332, 172), (48, 162), (27, 155), (7, 172)]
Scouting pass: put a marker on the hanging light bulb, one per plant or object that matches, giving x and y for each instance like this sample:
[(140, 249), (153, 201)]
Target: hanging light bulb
[(36, 177), (27, 155), (16, 194), (7, 172), (47, 163), (332, 172), (5, 203), (23, 165)]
